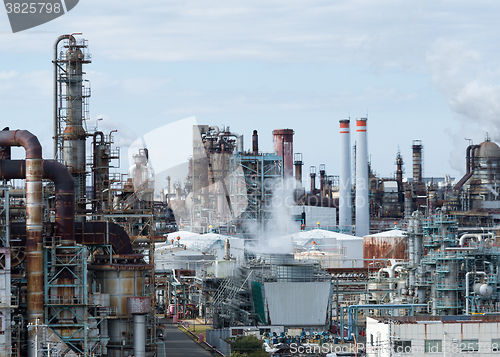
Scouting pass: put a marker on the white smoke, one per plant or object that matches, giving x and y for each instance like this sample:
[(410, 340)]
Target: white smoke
[(276, 237), (472, 94)]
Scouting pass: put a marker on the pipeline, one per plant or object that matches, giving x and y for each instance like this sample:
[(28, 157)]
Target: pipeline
[(64, 188), (34, 212)]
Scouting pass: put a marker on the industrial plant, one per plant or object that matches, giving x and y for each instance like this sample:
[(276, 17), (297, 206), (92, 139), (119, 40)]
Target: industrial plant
[(92, 258)]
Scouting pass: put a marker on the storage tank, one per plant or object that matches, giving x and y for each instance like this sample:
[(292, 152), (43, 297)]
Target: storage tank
[(486, 173)]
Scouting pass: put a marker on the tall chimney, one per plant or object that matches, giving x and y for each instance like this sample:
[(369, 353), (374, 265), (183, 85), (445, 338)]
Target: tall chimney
[(417, 161), (298, 167), (255, 143), (345, 214), (322, 179), (283, 144), (313, 180), (362, 203)]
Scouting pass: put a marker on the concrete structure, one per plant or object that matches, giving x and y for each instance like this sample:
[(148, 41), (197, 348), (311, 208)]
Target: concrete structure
[(432, 335)]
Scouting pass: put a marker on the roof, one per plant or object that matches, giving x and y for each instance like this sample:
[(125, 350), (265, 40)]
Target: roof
[(391, 233)]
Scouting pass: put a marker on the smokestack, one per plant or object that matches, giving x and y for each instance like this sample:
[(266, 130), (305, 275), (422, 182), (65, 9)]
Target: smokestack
[(298, 167), (227, 250), (322, 172), (345, 214), (283, 144), (362, 203), (417, 161), (312, 170), (255, 143), (399, 170)]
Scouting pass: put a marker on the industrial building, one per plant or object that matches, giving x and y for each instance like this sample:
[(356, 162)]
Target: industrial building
[(91, 256)]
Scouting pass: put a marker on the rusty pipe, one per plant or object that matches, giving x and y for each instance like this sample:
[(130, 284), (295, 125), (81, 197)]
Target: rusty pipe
[(64, 189), (34, 212), (468, 158), (65, 199)]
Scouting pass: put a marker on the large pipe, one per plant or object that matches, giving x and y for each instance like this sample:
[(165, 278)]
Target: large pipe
[(65, 199), (34, 213), (64, 190), (345, 215), (470, 163), (362, 203)]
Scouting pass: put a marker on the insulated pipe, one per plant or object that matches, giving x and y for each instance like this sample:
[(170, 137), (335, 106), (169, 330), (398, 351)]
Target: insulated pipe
[(139, 335), (362, 203), (34, 213), (467, 290), (479, 237), (345, 215)]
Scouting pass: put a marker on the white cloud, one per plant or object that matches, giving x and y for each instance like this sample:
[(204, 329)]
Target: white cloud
[(459, 73)]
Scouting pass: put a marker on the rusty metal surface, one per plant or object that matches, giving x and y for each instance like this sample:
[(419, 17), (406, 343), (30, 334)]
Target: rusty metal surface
[(283, 144), (138, 304), (101, 233), (65, 199), (384, 248)]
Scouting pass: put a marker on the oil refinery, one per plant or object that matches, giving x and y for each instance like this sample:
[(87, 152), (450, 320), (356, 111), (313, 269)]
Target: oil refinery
[(92, 258)]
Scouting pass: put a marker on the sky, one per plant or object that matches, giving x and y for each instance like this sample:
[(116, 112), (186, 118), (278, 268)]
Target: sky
[(419, 70)]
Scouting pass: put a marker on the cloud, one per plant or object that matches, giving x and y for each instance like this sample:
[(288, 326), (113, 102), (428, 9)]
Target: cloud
[(471, 90)]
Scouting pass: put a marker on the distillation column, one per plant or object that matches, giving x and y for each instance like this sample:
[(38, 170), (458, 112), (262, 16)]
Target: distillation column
[(69, 75)]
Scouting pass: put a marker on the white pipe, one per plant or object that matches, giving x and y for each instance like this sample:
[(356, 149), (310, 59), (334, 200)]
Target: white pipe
[(139, 335), (345, 215), (467, 290), (362, 183), (479, 237)]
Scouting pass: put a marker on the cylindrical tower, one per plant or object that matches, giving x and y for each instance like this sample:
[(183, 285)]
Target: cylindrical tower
[(485, 163), (283, 144), (255, 143), (322, 179), (345, 180), (417, 161), (298, 167), (312, 171), (74, 135), (362, 184)]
